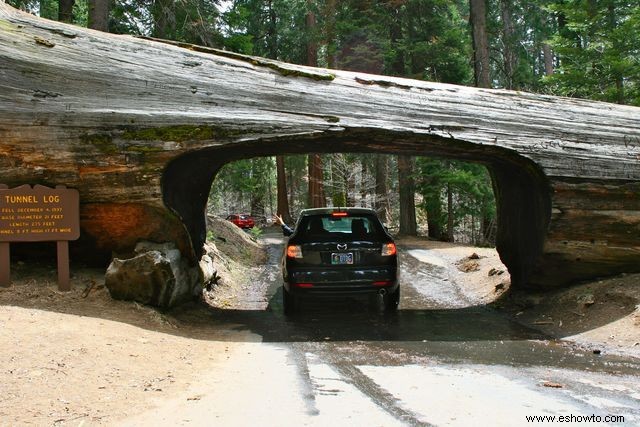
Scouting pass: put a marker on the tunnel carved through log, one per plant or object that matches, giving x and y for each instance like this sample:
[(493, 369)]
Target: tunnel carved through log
[(140, 127)]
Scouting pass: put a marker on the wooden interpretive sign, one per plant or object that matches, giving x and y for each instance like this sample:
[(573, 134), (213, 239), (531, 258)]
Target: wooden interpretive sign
[(38, 214)]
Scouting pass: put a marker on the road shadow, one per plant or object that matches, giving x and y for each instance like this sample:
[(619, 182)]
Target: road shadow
[(355, 320)]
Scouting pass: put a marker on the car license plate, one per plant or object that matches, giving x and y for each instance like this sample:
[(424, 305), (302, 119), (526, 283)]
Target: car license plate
[(342, 258)]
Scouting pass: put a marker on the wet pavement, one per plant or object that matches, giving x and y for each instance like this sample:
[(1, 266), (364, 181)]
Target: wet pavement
[(440, 360)]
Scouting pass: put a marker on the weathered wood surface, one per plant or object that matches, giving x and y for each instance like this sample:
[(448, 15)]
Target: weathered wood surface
[(140, 128)]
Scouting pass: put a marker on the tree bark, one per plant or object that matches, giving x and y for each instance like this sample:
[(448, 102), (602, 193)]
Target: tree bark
[(433, 220), (99, 15), (548, 59), (283, 201), (478, 22), (450, 214), (316, 178), (65, 10), (382, 188), (312, 44), (163, 12), (408, 225), (509, 44), (330, 32), (141, 132), (272, 31)]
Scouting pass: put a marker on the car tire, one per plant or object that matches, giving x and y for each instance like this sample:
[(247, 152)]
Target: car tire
[(289, 302), (392, 300)]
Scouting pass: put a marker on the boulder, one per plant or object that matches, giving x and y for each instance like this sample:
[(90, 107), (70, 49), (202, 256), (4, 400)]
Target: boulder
[(157, 275), (208, 270)]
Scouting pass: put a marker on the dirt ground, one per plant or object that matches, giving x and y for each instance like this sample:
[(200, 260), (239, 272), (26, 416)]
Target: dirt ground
[(601, 315), (80, 357), (69, 358)]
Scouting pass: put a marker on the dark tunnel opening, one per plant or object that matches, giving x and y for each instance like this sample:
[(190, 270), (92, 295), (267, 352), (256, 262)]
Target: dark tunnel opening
[(522, 192)]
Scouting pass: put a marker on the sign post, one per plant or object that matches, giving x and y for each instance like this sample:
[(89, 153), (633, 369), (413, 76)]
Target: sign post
[(39, 214)]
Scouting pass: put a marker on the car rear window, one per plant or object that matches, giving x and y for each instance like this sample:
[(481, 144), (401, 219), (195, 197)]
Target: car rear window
[(351, 227)]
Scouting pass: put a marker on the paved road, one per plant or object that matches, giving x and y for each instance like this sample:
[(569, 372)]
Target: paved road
[(439, 361)]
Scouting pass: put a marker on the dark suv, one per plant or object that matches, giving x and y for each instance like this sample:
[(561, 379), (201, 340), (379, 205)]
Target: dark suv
[(340, 251)]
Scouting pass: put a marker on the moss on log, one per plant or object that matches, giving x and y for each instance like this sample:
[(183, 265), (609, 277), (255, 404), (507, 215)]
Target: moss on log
[(141, 127)]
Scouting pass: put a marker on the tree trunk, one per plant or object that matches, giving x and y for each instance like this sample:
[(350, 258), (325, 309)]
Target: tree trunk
[(316, 180), (509, 44), (433, 219), (65, 10), (140, 128), (408, 225), (283, 201), (99, 15), (330, 32), (478, 21), (349, 188), (395, 35), (47, 10), (163, 12), (272, 31), (450, 214), (617, 75), (382, 188), (364, 191), (312, 44), (548, 59)]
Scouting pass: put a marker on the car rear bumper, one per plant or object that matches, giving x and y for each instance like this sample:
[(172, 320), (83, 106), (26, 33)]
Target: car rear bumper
[(342, 282)]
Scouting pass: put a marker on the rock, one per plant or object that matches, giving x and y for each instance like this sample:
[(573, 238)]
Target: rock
[(586, 299), (499, 287), (495, 271), (474, 256), (468, 266), (551, 384), (208, 271), (157, 275)]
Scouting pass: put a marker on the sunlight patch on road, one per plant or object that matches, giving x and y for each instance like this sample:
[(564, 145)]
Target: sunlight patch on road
[(445, 395), (339, 401), (428, 257)]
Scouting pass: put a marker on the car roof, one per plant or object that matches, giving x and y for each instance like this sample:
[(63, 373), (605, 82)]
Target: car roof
[(328, 211)]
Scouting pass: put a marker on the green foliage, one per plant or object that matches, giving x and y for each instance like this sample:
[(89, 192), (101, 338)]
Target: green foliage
[(43, 8), (244, 186), (471, 188), (599, 49), (255, 233), (272, 29)]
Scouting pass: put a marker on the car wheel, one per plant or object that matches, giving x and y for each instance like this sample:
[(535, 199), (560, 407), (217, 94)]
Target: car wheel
[(289, 302), (392, 300)]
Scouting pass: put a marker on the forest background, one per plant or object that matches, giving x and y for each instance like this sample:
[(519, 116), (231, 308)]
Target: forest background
[(577, 48)]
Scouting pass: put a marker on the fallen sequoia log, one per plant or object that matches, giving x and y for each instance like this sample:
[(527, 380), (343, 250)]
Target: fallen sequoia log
[(140, 127)]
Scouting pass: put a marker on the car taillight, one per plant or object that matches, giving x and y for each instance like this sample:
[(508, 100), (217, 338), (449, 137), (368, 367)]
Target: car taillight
[(294, 251), (382, 283), (302, 285), (388, 249), (339, 214)]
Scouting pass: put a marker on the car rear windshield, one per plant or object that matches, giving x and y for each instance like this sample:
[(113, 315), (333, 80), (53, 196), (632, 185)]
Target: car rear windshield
[(350, 227)]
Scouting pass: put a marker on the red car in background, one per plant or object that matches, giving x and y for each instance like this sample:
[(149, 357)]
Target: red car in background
[(242, 220)]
